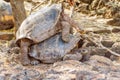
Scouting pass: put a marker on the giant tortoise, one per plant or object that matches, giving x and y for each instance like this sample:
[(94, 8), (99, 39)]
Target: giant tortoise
[(42, 25), (53, 49)]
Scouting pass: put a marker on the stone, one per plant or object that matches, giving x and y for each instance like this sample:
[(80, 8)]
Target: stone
[(6, 36), (89, 75), (116, 47), (6, 17), (101, 59), (26, 75)]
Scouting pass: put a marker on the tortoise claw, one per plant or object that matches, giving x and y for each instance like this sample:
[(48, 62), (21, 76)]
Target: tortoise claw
[(34, 62)]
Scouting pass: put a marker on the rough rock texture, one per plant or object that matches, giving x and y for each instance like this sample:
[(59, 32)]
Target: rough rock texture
[(6, 18), (116, 47), (93, 69), (98, 67), (26, 75)]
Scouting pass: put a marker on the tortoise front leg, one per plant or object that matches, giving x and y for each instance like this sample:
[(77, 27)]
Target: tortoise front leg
[(65, 31), (24, 48), (72, 23)]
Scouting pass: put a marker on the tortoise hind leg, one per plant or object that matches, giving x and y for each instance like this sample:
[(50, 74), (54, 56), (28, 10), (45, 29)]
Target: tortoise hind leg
[(65, 31), (24, 48)]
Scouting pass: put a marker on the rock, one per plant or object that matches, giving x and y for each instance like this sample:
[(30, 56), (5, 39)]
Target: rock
[(116, 30), (107, 43), (6, 18), (116, 47), (113, 76), (101, 59), (6, 24), (6, 36), (89, 75), (18, 67), (15, 50), (100, 64), (65, 70), (114, 22), (5, 8), (98, 51), (26, 75), (2, 77), (70, 64)]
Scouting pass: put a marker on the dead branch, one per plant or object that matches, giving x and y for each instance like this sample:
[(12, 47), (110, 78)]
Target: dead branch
[(99, 44)]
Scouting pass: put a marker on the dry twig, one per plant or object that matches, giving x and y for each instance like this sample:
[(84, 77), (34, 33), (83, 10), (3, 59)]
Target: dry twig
[(99, 44)]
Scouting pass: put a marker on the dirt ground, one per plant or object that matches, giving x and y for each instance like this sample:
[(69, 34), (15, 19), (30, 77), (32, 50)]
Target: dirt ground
[(100, 54)]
